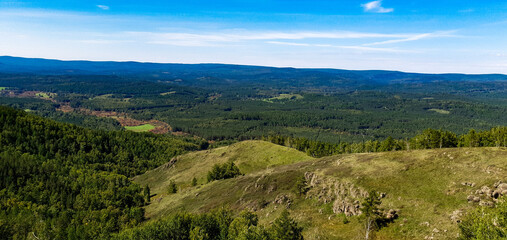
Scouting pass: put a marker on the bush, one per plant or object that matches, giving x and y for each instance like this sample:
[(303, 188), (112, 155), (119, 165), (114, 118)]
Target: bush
[(172, 187), (223, 171), (485, 222), (300, 186)]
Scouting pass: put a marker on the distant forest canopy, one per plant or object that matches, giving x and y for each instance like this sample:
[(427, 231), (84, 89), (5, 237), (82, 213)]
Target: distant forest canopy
[(237, 113), (227, 74), (221, 102), (60, 181)]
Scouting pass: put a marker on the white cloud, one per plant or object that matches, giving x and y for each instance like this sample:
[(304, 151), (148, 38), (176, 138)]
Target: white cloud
[(103, 7), (376, 7)]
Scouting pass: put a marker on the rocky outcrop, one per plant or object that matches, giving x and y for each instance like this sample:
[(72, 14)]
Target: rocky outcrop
[(283, 199), (345, 196), (487, 196)]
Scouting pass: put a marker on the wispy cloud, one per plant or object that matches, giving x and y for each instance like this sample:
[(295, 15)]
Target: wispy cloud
[(415, 38), (227, 37), (376, 7), (103, 7)]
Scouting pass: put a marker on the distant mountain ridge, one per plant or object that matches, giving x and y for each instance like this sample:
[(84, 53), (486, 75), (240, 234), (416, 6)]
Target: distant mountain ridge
[(227, 74)]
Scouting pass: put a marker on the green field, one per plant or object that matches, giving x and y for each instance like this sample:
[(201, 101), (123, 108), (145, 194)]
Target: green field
[(168, 93), (45, 95), (285, 96), (3, 88), (140, 128), (424, 186)]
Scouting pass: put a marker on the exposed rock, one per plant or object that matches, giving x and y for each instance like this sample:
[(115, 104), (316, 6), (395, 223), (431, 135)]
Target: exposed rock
[(346, 197), (456, 216), (391, 214), (170, 163), (486, 203), (489, 195), (470, 184), (283, 199)]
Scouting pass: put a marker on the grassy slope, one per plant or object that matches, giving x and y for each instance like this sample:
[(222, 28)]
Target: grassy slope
[(424, 185), (249, 156)]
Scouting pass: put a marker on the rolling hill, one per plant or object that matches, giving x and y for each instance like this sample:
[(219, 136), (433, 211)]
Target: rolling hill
[(221, 75), (428, 189)]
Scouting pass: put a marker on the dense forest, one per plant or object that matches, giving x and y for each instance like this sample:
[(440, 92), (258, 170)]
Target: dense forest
[(428, 139), (60, 181), (400, 111)]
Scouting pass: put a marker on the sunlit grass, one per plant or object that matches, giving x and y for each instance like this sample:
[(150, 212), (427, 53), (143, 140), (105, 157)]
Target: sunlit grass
[(140, 128)]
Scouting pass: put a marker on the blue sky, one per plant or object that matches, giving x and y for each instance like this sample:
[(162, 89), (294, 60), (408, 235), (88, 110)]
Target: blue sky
[(417, 36)]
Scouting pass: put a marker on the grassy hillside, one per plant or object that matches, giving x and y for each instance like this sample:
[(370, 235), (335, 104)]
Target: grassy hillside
[(249, 156), (425, 187)]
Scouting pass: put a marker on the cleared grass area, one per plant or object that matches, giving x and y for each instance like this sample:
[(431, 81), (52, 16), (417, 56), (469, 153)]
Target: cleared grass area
[(140, 128), (441, 111), (284, 96), (424, 185), (45, 95), (168, 93), (3, 88)]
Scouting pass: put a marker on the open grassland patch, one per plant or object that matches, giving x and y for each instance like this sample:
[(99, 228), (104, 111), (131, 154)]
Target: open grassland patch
[(45, 95), (285, 96), (140, 128), (167, 93)]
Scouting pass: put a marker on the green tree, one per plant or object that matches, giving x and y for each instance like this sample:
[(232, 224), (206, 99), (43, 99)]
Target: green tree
[(147, 194), (286, 228), (194, 181), (172, 188), (300, 186), (372, 213)]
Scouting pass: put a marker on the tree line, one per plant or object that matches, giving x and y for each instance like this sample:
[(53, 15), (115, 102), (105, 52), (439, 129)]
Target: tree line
[(218, 224), (428, 139)]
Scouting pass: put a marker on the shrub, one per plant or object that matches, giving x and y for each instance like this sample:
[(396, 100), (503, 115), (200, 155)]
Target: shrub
[(172, 187), (223, 171), (485, 222)]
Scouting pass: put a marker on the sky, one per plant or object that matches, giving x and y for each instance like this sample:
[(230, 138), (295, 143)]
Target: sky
[(458, 36)]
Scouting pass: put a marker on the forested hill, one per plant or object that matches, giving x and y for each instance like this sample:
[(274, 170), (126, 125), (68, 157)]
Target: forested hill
[(59, 181), (206, 75)]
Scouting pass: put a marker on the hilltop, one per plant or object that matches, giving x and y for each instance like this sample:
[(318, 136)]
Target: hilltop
[(428, 189)]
